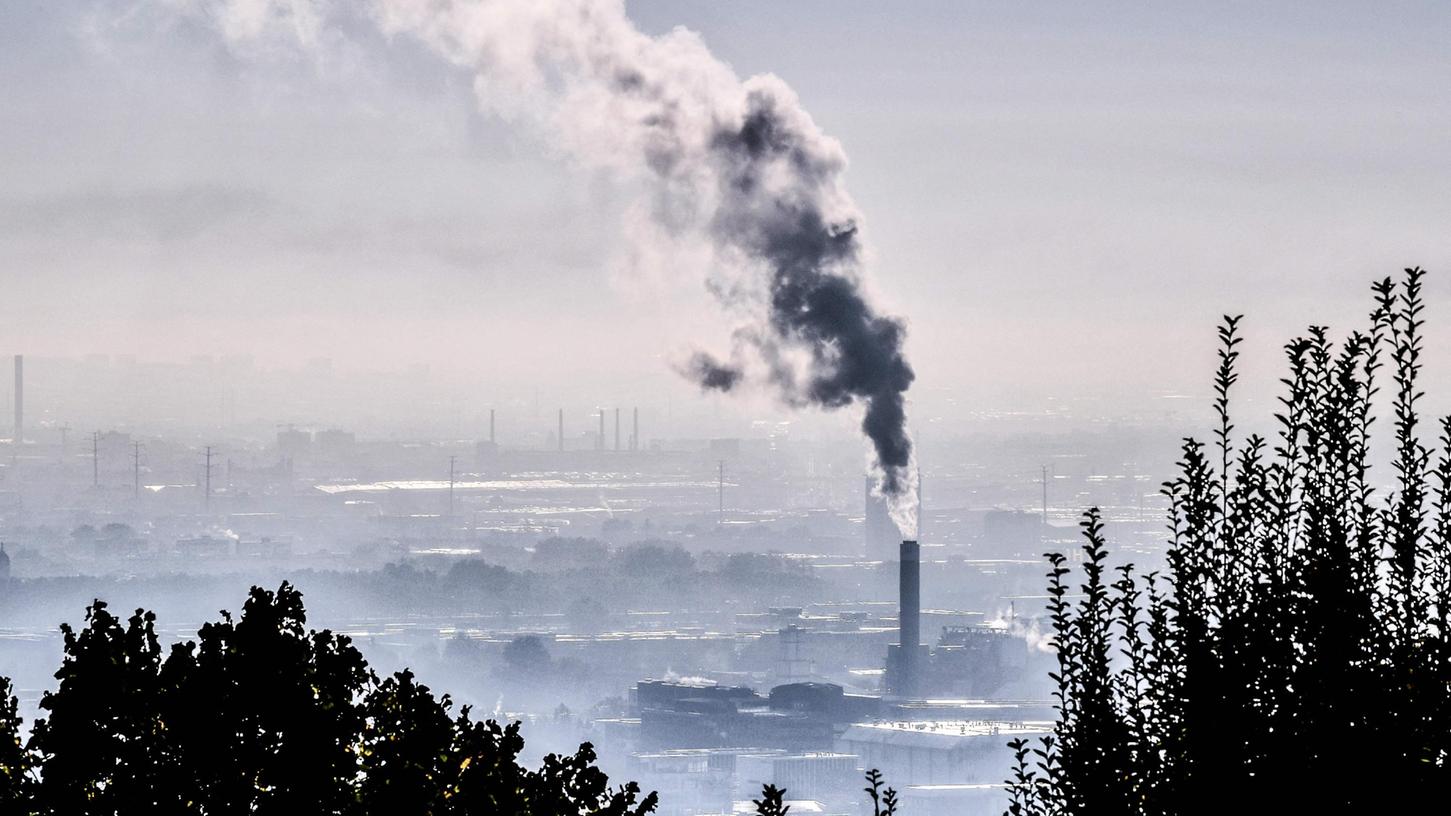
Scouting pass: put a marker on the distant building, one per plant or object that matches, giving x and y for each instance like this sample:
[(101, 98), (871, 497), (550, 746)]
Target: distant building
[(795, 717), (975, 661), (823, 776), (292, 443), (1011, 533), (973, 799), (334, 442), (941, 752), (689, 781)]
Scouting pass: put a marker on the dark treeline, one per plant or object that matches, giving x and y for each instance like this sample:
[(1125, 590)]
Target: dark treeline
[(1295, 654), (261, 715), (560, 575)]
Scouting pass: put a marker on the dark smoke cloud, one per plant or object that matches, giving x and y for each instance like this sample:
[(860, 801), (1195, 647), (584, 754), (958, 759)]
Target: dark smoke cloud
[(737, 162), (710, 374), (816, 304)]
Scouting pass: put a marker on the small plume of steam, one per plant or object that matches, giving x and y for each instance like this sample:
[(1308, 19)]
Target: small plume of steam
[(1027, 629), (737, 163)]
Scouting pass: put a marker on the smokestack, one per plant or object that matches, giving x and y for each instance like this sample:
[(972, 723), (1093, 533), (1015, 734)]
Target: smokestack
[(617, 430), (635, 437), (491, 426), (19, 399), (561, 430), (909, 619), (600, 440), (909, 613)]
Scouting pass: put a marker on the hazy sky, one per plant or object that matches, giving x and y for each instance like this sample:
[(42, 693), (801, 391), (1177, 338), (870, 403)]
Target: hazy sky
[(1060, 199)]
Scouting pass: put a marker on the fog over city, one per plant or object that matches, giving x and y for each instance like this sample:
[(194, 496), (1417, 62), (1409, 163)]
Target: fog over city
[(702, 381)]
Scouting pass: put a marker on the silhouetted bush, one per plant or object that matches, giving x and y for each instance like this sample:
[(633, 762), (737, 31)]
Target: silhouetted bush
[(263, 716), (1295, 654)]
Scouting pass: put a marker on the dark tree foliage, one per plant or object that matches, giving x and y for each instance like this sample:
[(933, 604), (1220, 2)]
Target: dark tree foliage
[(772, 801), (884, 802), (1296, 648), (17, 770), (263, 716)]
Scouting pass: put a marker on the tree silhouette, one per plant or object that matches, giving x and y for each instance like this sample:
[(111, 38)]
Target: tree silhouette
[(263, 716), (772, 801), (1297, 642), (17, 778)]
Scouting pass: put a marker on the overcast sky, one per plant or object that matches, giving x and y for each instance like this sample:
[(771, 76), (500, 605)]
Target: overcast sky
[(1060, 199)]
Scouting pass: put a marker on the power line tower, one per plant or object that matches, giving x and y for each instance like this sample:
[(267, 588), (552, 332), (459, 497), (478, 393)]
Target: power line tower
[(1045, 497), (451, 461), (207, 491)]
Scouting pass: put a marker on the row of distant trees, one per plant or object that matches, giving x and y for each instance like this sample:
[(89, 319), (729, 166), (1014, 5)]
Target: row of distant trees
[(261, 715)]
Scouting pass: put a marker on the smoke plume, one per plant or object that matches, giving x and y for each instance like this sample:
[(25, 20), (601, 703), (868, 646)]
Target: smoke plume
[(737, 162)]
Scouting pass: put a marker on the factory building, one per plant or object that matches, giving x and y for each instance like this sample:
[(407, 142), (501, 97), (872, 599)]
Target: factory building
[(821, 776), (796, 717), (968, 661), (953, 799), (941, 752)]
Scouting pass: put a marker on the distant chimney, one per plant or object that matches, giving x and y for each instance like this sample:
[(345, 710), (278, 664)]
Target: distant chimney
[(635, 437), (491, 426), (19, 399), (561, 430), (600, 440), (617, 429), (904, 668), (909, 613)]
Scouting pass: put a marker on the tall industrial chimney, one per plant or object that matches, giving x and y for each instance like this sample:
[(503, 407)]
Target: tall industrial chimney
[(617, 430), (491, 426), (600, 440), (635, 437), (904, 669), (909, 613), (19, 399), (561, 430)]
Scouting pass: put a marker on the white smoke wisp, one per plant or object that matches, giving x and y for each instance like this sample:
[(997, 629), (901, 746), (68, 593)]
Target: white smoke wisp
[(1026, 628), (736, 163)]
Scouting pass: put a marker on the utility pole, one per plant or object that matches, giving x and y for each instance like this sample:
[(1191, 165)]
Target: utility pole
[(1045, 497), (451, 461), (207, 494), (136, 468), (95, 458)]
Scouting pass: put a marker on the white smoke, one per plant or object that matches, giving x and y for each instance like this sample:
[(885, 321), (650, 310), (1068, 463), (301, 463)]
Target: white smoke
[(733, 165), (1028, 629)]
